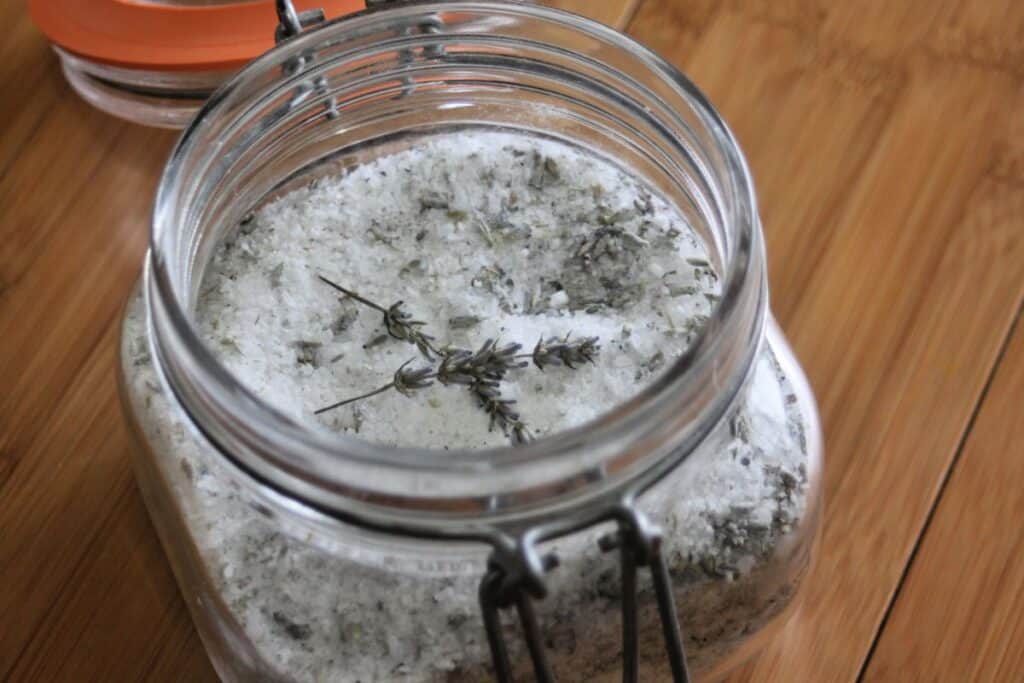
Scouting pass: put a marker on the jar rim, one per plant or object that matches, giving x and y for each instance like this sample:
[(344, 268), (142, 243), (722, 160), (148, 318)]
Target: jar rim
[(454, 493)]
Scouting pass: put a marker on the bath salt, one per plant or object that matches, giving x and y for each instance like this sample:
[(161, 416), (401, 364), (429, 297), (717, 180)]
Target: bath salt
[(481, 236)]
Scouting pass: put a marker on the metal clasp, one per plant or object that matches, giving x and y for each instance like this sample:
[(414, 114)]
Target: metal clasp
[(292, 22), (515, 576)]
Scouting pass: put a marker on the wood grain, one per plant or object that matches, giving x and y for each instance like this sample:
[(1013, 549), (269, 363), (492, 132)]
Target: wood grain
[(73, 266), (612, 12), (903, 363), (890, 275), (965, 589), (28, 95), (805, 114), (888, 151)]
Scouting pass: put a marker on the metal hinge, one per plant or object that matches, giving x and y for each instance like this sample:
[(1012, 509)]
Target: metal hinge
[(515, 578), (292, 22)]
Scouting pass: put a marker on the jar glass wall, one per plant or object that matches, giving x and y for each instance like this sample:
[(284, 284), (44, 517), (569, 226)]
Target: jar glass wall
[(278, 535)]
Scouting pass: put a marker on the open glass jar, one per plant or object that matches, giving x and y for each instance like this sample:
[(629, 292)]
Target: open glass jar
[(312, 556)]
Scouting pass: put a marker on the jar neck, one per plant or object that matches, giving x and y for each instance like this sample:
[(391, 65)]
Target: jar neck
[(370, 78)]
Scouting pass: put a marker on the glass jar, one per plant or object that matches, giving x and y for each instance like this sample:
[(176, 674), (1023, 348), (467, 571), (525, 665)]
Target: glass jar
[(163, 99), (154, 62), (310, 556)]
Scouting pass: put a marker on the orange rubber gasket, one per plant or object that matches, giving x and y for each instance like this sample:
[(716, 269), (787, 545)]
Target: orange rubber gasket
[(159, 37)]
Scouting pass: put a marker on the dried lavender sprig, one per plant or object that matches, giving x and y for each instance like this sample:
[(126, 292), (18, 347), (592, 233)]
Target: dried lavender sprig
[(400, 325), (397, 321), (350, 293), (501, 412), (489, 363), (408, 381), (488, 394), (481, 371), (562, 351), (405, 381)]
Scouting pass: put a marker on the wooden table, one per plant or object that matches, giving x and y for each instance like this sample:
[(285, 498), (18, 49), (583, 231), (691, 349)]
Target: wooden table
[(887, 142)]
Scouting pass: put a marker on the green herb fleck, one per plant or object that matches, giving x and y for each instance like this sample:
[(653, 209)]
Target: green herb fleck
[(230, 344), (307, 352), (545, 170), (380, 237), (463, 322), (345, 318), (433, 200), (293, 628), (654, 363), (376, 341), (413, 267), (682, 290), (275, 275)]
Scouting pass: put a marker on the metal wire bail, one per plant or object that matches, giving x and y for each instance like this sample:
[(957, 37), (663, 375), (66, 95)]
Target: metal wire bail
[(515, 576), (291, 22)]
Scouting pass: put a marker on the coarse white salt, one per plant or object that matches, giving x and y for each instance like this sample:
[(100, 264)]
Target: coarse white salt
[(480, 236)]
